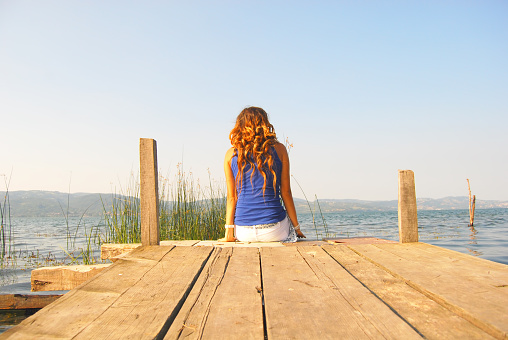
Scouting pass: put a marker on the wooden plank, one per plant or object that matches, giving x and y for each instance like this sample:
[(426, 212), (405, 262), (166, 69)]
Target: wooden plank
[(63, 277), (429, 318), (238, 300), (110, 251), (180, 243), (70, 314), (226, 304), (189, 321), (304, 243), (147, 308), (213, 243), (149, 192), (26, 301), (370, 309), (358, 240), (303, 301), (473, 289)]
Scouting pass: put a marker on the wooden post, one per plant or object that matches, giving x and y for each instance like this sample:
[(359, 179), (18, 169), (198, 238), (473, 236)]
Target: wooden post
[(471, 205), (408, 219), (149, 192)]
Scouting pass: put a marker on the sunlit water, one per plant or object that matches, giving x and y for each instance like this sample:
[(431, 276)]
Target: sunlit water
[(48, 240), (450, 229)]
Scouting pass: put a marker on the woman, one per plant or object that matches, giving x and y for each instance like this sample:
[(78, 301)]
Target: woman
[(257, 176)]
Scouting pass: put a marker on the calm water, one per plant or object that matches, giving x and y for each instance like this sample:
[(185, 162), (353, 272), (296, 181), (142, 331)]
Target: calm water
[(445, 228), (44, 241)]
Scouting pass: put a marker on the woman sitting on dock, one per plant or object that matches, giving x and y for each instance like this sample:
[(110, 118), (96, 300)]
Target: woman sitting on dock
[(257, 176)]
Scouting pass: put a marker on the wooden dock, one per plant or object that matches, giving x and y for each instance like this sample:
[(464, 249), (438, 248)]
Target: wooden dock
[(311, 290), (350, 288)]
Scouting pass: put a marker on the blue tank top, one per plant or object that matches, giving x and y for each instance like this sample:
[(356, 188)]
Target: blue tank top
[(252, 207)]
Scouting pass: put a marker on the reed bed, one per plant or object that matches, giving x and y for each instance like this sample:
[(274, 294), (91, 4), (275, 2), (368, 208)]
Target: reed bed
[(6, 232), (187, 210)]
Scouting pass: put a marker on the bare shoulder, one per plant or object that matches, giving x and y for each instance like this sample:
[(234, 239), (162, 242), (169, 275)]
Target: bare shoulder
[(281, 150), (229, 154)]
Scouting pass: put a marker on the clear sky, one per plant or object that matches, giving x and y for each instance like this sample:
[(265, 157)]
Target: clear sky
[(360, 88)]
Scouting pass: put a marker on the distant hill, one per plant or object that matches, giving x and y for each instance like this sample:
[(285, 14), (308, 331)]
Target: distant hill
[(35, 203), (52, 203), (446, 203)]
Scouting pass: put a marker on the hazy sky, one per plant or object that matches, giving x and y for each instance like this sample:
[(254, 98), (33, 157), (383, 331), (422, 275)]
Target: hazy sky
[(361, 89)]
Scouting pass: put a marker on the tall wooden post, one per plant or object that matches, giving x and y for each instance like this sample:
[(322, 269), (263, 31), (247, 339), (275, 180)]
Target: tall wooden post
[(408, 219), (149, 192)]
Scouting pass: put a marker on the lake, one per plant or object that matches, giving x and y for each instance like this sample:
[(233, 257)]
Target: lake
[(43, 241), (47, 240)]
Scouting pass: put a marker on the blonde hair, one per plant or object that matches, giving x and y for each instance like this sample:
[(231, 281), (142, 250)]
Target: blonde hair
[(253, 137)]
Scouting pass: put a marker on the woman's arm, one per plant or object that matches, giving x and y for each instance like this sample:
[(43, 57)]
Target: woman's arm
[(231, 197), (285, 187)]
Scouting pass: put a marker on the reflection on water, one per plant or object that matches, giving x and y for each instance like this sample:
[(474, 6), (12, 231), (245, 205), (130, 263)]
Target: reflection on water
[(472, 236), (473, 241)]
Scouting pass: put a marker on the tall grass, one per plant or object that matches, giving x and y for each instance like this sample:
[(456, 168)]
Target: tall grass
[(6, 232), (187, 210), (322, 230), (123, 217)]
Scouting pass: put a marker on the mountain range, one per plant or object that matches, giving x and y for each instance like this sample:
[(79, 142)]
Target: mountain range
[(36, 203)]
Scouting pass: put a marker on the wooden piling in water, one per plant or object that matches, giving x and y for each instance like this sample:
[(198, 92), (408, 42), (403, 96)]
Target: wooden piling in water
[(149, 192), (408, 219)]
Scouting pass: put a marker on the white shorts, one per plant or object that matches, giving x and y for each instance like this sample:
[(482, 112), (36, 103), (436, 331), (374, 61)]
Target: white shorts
[(272, 232)]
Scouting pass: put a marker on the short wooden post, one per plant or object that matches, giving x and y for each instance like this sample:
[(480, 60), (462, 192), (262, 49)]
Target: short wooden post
[(408, 219), (149, 192)]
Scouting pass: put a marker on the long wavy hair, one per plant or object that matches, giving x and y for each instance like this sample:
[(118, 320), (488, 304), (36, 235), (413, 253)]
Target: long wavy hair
[(253, 137)]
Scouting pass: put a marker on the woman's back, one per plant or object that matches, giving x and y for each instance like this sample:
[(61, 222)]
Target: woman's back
[(257, 179), (255, 206)]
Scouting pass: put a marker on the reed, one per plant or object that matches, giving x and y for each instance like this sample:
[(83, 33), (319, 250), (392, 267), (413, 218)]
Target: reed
[(6, 232), (122, 217), (187, 210), (319, 229)]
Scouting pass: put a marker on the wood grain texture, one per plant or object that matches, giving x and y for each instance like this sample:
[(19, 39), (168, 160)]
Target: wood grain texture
[(149, 192), (142, 311), (304, 300), (63, 277), (111, 251), (429, 318), (474, 289), (408, 219), (237, 304), (26, 301), (189, 322), (74, 311), (226, 301)]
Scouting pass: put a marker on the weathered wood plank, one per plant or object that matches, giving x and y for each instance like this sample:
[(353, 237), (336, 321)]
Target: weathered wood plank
[(110, 251), (302, 300), (70, 314), (189, 322), (238, 244), (63, 277), (228, 297), (146, 309), (431, 319), (237, 300), (26, 301), (470, 287), (358, 240), (365, 306)]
